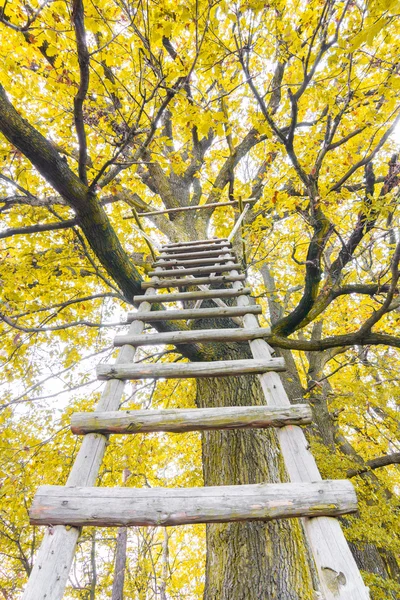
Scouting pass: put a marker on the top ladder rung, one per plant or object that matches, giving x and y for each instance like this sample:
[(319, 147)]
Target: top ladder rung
[(195, 242), (199, 248)]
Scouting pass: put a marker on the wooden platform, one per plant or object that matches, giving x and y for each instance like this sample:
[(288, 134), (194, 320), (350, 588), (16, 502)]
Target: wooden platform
[(124, 507), (199, 248)]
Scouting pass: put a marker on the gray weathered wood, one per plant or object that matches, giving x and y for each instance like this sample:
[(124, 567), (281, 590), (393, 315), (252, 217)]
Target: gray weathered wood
[(218, 368), (202, 254), (215, 246), (169, 283), (192, 419), (193, 313), (196, 336), (339, 576), (214, 240), (216, 268), (163, 264), (53, 561), (116, 507), (188, 296)]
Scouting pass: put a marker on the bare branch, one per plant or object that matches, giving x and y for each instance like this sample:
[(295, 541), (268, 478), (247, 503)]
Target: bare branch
[(83, 59), (37, 228)]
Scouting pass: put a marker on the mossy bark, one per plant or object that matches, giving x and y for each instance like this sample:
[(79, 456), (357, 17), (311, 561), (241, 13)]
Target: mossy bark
[(257, 560)]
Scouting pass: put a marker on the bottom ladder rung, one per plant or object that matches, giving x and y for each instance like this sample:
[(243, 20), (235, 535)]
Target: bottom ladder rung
[(189, 419), (114, 507)]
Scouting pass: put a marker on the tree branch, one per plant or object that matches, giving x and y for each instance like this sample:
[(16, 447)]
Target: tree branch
[(349, 339), (37, 228), (376, 463), (369, 157), (90, 214)]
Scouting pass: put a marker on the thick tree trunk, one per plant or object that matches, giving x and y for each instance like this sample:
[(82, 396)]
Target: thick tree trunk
[(249, 561)]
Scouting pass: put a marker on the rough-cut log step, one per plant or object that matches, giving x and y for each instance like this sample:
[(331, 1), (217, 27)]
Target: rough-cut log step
[(170, 283), (124, 507), (192, 263), (203, 254), (196, 242), (193, 313), (193, 419), (187, 296), (198, 336), (195, 271), (222, 246), (219, 368)]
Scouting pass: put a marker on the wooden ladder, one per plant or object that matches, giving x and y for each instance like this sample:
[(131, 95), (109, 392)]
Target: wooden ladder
[(78, 503)]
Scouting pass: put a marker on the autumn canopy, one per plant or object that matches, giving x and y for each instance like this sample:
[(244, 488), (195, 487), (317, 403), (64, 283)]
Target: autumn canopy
[(111, 109)]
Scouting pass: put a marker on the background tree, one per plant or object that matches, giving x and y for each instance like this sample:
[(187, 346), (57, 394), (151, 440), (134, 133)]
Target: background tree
[(110, 106)]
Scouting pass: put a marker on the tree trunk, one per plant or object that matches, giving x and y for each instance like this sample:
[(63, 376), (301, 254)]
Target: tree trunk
[(256, 560)]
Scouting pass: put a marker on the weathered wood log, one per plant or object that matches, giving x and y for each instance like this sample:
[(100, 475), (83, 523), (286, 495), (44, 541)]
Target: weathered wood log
[(215, 246), (163, 264), (125, 507), (202, 254), (219, 368), (200, 294), (194, 313), (193, 419), (196, 336), (216, 268), (196, 242), (168, 283)]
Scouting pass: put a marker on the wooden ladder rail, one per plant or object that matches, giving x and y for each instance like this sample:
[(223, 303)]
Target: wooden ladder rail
[(53, 562), (339, 576)]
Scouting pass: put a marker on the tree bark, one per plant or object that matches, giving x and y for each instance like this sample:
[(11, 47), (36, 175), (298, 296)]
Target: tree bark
[(258, 560)]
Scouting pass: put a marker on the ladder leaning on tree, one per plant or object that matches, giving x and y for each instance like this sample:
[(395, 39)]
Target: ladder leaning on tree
[(67, 508)]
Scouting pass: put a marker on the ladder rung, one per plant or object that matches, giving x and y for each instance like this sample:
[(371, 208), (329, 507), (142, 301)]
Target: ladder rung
[(115, 507), (193, 336), (192, 419), (195, 271), (170, 283), (196, 242), (199, 295), (189, 263), (218, 368), (220, 246), (194, 313), (187, 255)]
